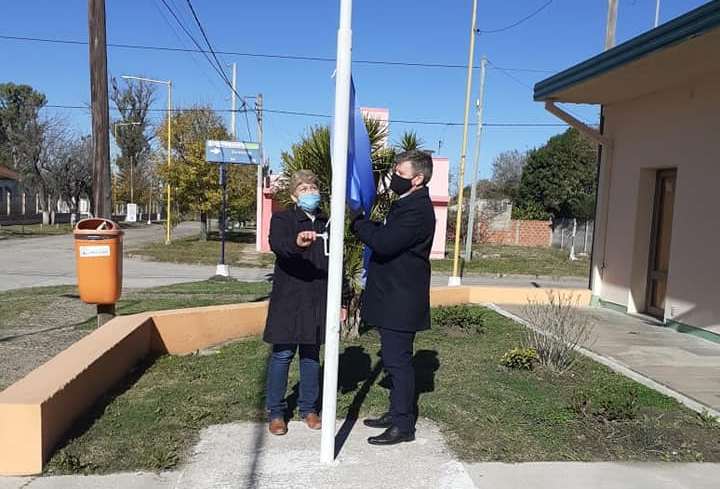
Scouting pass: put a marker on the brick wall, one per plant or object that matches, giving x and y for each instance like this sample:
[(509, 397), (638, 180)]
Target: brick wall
[(519, 233)]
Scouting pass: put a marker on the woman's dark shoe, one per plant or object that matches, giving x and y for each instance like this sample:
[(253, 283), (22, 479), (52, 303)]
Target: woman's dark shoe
[(391, 436), (384, 421)]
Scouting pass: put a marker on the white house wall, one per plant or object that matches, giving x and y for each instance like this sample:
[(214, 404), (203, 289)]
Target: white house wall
[(676, 128)]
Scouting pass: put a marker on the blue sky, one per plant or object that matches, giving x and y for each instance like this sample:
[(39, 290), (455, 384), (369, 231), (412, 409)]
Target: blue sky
[(564, 33)]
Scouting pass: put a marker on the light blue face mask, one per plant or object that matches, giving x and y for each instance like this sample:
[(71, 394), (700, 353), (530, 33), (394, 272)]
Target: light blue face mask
[(309, 202)]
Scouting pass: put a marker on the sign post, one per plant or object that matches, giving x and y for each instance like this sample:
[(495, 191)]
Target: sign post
[(224, 153)]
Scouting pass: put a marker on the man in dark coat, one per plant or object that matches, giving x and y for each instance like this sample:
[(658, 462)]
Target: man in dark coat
[(397, 293), (296, 315)]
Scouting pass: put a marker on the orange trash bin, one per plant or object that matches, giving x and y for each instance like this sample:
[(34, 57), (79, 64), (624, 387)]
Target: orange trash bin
[(99, 255)]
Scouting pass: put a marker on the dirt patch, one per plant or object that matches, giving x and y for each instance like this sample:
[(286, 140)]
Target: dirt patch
[(33, 336)]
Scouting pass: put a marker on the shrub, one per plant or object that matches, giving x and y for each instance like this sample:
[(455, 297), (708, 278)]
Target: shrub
[(520, 358), (556, 329), (459, 318), (606, 404)]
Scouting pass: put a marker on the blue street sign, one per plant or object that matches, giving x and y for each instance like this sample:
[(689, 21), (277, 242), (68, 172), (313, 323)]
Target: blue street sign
[(238, 152)]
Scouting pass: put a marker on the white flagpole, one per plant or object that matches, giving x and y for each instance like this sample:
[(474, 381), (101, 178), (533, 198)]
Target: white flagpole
[(337, 213)]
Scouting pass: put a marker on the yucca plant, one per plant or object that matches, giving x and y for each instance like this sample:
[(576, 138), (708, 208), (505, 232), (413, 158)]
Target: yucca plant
[(312, 152)]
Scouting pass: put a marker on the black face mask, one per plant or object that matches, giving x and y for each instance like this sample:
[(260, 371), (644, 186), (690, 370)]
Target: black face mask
[(400, 185)]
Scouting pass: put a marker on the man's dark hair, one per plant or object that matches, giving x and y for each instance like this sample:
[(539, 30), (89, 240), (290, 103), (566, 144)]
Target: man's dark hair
[(421, 162)]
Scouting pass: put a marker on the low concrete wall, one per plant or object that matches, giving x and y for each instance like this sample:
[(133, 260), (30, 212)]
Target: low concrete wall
[(184, 331), (37, 411)]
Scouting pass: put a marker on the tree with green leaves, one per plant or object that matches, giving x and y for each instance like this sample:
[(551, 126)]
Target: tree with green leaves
[(312, 152), (558, 180), (29, 141), (195, 182)]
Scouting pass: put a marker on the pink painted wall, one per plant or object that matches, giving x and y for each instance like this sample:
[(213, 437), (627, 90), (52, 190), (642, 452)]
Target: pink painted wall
[(268, 207), (439, 194)]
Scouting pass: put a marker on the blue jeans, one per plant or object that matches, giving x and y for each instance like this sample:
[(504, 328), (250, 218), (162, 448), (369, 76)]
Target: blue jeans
[(277, 378)]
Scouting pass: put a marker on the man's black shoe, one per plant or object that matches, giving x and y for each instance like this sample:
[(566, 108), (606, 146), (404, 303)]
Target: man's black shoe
[(391, 436), (384, 421)]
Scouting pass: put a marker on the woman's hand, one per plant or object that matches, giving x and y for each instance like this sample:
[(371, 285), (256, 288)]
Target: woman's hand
[(305, 238), (343, 314)]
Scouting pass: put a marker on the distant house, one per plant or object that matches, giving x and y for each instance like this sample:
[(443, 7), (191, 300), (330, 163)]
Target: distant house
[(15, 202), (657, 229)]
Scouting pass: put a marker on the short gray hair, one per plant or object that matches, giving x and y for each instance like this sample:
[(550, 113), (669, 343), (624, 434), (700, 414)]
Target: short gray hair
[(421, 162), (301, 177)]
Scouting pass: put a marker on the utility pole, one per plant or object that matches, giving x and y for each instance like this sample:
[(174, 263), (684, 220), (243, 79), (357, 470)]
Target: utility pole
[(455, 279), (611, 24), (233, 97), (100, 111), (102, 185), (259, 196), (657, 12), (473, 189)]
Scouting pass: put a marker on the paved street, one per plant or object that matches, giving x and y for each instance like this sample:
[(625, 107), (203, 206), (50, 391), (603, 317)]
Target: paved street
[(38, 262)]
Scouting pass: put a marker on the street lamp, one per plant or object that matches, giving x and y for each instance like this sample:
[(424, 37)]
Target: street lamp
[(115, 126), (169, 114)]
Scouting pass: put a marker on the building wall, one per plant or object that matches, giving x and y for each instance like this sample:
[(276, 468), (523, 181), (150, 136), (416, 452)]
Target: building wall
[(675, 128), (439, 187), (519, 233)]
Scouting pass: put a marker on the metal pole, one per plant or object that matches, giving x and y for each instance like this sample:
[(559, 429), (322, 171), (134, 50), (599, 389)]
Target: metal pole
[(233, 97), (611, 24), (455, 279), (223, 214), (337, 213), (473, 189), (259, 183), (657, 12), (132, 198), (168, 236)]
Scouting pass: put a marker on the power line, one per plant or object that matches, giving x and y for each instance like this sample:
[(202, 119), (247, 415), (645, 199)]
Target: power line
[(218, 69), (147, 47), (327, 116), (209, 45), (192, 38), (529, 87), (515, 24)]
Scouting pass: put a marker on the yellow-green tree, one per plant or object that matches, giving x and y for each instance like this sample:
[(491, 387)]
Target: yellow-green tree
[(195, 183)]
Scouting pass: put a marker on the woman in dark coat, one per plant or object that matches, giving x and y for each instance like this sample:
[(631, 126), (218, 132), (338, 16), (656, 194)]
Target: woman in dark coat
[(296, 317)]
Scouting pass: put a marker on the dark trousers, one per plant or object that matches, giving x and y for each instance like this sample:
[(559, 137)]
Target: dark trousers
[(277, 378), (396, 349)]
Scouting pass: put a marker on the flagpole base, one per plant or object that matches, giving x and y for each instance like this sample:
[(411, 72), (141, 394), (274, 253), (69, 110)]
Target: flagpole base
[(222, 270), (454, 281)]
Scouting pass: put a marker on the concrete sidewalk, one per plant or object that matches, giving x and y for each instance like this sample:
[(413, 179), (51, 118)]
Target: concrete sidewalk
[(244, 455), (684, 364)]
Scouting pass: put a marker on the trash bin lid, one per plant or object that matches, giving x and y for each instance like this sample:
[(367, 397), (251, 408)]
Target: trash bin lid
[(97, 226)]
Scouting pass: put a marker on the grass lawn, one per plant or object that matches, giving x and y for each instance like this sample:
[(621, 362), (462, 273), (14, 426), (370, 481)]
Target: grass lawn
[(239, 250), (487, 413), (518, 260), (33, 230)]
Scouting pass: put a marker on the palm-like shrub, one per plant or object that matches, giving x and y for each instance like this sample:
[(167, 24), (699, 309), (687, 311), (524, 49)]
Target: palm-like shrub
[(312, 152)]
